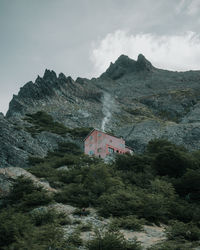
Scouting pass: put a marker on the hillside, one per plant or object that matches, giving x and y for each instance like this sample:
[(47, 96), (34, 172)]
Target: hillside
[(53, 196), (70, 201)]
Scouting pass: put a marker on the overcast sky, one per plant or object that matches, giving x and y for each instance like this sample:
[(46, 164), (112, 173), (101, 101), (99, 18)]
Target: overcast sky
[(82, 37)]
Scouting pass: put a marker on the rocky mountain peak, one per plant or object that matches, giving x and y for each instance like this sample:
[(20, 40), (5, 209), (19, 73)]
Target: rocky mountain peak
[(125, 65), (125, 61), (49, 75), (143, 64)]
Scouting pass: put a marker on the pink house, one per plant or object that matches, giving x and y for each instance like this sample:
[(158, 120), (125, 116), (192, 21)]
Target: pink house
[(100, 144)]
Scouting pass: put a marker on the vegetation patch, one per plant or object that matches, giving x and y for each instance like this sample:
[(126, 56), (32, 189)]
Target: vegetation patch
[(41, 121), (111, 240)]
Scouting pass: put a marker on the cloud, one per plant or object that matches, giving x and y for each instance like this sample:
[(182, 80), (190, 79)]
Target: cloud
[(189, 7), (173, 52), (193, 7)]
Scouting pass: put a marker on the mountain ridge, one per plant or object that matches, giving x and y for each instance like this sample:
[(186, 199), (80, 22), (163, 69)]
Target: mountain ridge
[(145, 103)]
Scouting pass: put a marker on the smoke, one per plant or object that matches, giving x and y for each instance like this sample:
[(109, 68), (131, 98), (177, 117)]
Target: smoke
[(108, 104)]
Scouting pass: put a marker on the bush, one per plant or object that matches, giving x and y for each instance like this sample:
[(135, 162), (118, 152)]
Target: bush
[(130, 222), (85, 227), (74, 239), (135, 163), (44, 122), (172, 162), (120, 203), (74, 194), (181, 230), (25, 195), (172, 245), (45, 237), (188, 185), (111, 241), (13, 225), (154, 207), (43, 216)]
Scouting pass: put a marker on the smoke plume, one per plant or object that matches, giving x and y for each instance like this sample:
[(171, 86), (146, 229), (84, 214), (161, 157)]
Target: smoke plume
[(108, 104)]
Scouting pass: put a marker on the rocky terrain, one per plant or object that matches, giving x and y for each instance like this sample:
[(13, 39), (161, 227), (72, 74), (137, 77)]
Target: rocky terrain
[(144, 103)]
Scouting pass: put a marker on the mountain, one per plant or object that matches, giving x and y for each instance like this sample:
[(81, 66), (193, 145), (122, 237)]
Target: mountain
[(139, 101)]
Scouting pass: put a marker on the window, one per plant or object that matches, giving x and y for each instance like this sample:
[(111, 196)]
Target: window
[(110, 150), (99, 134), (99, 150), (91, 152), (91, 137), (122, 145)]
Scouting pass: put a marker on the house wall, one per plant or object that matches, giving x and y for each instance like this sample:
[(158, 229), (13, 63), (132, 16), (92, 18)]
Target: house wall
[(101, 144)]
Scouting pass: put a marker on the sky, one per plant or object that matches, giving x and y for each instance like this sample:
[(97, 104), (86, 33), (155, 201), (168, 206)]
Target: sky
[(81, 37)]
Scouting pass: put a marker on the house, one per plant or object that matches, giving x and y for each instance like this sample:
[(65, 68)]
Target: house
[(101, 144)]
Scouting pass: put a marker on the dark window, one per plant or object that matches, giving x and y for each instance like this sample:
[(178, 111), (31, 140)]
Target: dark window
[(110, 150)]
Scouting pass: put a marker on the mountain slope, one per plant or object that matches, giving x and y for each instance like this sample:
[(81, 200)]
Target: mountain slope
[(139, 101)]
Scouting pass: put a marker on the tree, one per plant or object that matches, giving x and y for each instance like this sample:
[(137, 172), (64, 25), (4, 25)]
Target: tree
[(172, 162)]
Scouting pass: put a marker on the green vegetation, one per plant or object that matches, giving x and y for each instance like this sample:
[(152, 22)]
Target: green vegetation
[(41, 121), (23, 225), (111, 240), (187, 231), (25, 195), (130, 222), (158, 186)]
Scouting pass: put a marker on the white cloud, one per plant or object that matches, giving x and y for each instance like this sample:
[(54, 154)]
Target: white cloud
[(175, 52)]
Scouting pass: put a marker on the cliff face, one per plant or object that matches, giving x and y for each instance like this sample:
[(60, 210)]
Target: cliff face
[(139, 102)]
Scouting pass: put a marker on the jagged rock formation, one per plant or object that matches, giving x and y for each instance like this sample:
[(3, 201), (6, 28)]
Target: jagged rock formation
[(125, 65), (148, 103)]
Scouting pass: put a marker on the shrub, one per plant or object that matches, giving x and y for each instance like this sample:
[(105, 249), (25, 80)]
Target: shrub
[(181, 230), (44, 122), (74, 194), (85, 227), (135, 163), (130, 222), (188, 185), (120, 203), (43, 216), (172, 245), (111, 241), (172, 162), (156, 146), (45, 237), (25, 195), (74, 239), (13, 225)]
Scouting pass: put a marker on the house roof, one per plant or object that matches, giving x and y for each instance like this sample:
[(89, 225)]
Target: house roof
[(101, 132)]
